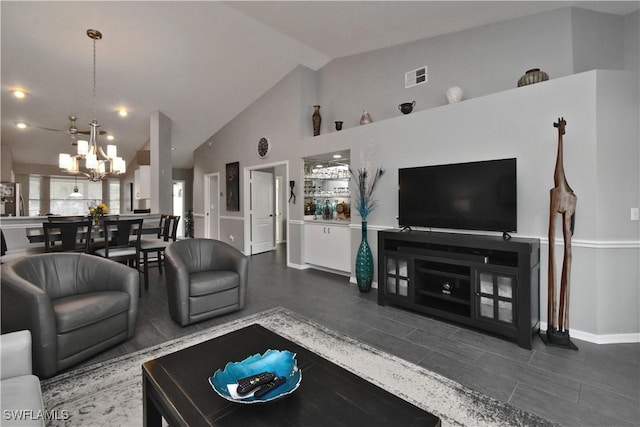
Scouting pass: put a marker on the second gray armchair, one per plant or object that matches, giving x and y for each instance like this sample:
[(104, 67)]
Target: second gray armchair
[(205, 278)]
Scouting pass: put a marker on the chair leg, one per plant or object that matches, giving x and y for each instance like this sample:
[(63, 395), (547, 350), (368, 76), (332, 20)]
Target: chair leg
[(160, 260), (146, 270)]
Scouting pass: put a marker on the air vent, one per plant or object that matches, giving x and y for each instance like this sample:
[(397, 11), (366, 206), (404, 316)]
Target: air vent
[(415, 77)]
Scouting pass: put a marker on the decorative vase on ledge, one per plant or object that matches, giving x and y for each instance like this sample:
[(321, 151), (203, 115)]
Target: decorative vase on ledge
[(365, 118), (364, 263), (532, 76), (454, 94), (406, 107), (316, 119)]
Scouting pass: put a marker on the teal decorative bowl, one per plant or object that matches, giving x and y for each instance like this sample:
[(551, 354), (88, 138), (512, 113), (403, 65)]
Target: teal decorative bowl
[(282, 363)]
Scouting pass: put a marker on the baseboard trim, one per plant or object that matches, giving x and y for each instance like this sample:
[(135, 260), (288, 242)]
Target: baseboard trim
[(593, 244), (298, 266), (629, 338), (329, 270)]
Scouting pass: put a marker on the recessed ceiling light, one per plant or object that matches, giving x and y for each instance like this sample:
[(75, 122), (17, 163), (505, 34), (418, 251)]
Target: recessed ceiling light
[(319, 166), (123, 112), (21, 125), (19, 93), (173, 148), (111, 137), (337, 156)]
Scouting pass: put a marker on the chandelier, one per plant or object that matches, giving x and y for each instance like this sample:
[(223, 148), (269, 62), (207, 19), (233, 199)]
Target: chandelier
[(91, 160)]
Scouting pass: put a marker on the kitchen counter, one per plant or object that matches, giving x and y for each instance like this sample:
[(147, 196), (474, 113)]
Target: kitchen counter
[(308, 219), (17, 228)]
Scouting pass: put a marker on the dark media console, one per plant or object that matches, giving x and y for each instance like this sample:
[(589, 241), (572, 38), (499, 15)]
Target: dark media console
[(486, 282)]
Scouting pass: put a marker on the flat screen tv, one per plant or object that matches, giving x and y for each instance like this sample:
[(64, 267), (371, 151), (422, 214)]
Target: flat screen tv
[(467, 196)]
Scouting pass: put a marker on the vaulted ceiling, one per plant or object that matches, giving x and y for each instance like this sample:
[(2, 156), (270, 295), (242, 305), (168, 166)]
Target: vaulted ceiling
[(200, 63)]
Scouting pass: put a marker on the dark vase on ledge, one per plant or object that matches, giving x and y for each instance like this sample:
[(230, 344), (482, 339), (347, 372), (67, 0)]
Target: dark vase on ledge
[(364, 263), (316, 120)]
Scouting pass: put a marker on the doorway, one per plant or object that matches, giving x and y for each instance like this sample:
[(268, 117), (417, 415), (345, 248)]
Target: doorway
[(178, 205), (260, 212), (212, 205), (281, 201)]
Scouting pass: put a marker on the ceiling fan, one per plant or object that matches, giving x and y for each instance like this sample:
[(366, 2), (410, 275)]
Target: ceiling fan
[(72, 129)]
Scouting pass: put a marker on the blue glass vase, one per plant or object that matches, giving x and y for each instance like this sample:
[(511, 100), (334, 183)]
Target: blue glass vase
[(364, 263)]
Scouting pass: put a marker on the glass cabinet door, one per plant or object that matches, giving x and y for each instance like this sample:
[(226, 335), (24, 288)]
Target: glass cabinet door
[(396, 280), (496, 296)]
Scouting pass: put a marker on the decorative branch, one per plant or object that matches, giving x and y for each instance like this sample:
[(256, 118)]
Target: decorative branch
[(364, 201)]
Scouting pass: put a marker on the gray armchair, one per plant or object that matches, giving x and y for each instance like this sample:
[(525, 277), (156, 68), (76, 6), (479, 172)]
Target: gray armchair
[(75, 305), (205, 278)]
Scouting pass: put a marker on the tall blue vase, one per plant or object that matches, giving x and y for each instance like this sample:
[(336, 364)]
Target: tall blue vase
[(364, 263)]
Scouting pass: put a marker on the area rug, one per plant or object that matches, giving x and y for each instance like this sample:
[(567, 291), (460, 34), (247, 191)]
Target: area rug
[(110, 393)]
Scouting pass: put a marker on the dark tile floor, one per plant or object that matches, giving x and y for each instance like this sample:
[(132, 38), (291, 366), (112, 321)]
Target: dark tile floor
[(599, 385)]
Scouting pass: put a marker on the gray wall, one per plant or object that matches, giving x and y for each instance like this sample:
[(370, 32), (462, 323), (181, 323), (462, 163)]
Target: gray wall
[(497, 120), (161, 171), (185, 175), (596, 40), (481, 61), (6, 164), (600, 163), (280, 115)]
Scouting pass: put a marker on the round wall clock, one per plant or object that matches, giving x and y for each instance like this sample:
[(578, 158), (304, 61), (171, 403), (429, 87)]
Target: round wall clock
[(263, 148)]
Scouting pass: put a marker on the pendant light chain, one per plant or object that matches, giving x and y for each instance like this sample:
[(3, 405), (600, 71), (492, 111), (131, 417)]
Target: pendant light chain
[(94, 80)]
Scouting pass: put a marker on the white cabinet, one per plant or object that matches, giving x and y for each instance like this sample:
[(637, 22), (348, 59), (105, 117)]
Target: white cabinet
[(328, 245), (142, 182)]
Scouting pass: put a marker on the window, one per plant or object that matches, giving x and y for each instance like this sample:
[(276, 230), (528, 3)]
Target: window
[(114, 196), (61, 201), (35, 182)]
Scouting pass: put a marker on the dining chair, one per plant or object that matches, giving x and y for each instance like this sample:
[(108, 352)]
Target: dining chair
[(167, 235), (98, 239), (73, 236), (122, 241)]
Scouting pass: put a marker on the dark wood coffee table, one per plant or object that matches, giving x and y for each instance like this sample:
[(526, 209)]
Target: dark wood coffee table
[(176, 387)]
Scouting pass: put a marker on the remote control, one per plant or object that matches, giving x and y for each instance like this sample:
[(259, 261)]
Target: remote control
[(245, 385), (270, 386)]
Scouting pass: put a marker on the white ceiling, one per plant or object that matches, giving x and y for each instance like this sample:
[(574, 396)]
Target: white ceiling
[(200, 63)]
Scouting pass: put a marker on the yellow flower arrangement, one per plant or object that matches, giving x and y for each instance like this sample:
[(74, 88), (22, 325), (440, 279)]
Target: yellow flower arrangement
[(98, 211)]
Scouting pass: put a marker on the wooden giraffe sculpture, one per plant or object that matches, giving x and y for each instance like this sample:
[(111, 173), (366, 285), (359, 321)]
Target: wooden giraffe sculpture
[(563, 201)]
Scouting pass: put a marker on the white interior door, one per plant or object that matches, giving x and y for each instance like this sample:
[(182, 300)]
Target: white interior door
[(262, 212), (178, 205)]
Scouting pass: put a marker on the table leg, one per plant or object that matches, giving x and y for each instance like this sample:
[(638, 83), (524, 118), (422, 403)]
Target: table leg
[(151, 415)]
